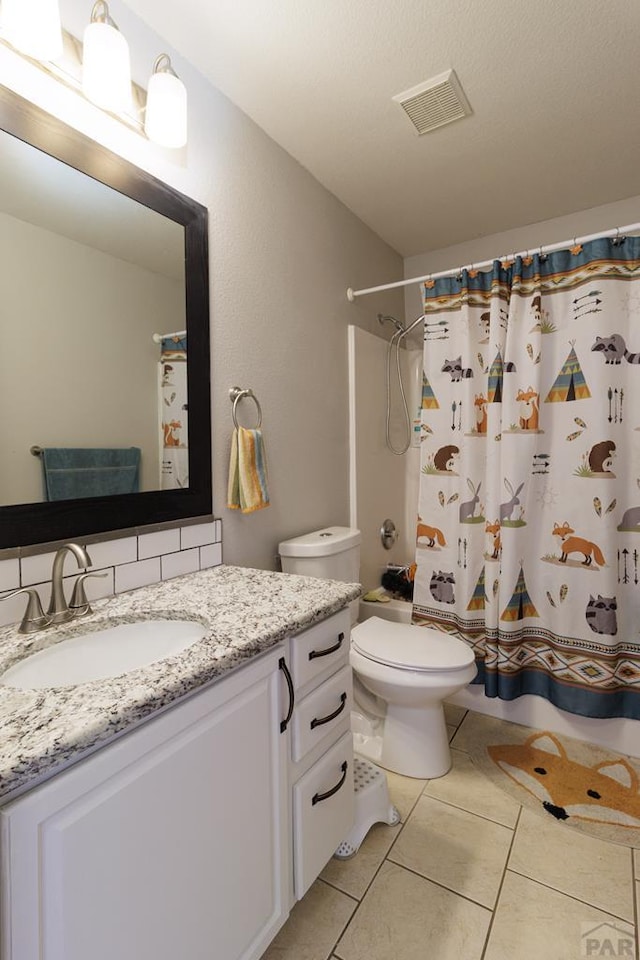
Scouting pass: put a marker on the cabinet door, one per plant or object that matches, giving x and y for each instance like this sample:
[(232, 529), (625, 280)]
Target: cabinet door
[(323, 811), (170, 843)]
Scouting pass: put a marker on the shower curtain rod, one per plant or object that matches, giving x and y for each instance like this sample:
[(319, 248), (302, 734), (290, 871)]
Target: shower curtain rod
[(159, 337), (615, 232)]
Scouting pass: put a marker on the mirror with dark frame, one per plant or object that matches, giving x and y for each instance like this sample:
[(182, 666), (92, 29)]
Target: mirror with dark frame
[(107, 424)]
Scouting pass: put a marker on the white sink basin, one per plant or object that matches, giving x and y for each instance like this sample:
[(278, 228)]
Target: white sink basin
[(103, 652)]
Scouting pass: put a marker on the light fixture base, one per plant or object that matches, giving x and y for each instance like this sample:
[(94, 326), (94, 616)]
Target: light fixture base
[(67, 69)]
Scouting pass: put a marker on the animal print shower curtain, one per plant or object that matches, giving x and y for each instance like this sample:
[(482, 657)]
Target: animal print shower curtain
[(528, 533), (173, 413)]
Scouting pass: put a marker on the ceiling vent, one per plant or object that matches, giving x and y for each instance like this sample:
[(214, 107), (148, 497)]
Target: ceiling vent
[(435, 102)]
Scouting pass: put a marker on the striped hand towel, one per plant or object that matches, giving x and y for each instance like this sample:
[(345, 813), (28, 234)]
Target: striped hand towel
[(247, 489)]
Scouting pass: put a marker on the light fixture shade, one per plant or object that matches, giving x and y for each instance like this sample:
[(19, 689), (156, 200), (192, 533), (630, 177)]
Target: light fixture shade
[(106, 67), (33, 27), (166, 113)]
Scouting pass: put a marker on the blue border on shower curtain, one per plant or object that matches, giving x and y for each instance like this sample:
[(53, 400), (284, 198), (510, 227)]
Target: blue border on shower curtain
[(618, 704)]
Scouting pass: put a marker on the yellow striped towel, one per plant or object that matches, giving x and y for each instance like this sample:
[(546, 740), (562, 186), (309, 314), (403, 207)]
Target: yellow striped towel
[(247, 490)]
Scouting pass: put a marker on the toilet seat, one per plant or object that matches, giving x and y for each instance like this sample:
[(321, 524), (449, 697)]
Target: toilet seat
[(407, 647)]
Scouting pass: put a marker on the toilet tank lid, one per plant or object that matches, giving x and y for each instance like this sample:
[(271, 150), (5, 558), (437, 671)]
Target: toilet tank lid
[(321, 543)]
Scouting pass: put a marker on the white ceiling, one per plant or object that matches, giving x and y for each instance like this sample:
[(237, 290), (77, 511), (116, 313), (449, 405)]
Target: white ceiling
[(553, 85)]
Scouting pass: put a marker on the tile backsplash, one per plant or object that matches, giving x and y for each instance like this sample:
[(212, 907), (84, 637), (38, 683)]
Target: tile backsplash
[(126, 563)]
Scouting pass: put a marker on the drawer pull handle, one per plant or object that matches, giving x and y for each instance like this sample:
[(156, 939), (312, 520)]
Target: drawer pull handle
[(325, 653), (336, 713), (283, 666), (319, 797)]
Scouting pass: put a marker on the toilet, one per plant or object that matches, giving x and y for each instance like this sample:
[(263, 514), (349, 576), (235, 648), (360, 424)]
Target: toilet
[(402, 673)]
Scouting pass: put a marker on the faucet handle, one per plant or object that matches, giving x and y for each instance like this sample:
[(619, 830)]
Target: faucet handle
[(34, 618), (79, 603)]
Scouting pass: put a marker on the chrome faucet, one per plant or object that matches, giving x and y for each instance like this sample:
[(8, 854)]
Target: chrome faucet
[(58, 611)]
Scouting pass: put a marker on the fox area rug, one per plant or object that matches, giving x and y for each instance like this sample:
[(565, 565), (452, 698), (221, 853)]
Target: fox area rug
[(576, 783)]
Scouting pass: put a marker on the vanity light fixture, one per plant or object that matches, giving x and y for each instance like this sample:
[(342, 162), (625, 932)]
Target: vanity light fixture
[(106, 67), (166, 112), (99, 67), (33, 27)]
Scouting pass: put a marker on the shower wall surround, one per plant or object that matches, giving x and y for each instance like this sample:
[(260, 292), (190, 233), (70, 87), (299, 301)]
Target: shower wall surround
[(383, 485)]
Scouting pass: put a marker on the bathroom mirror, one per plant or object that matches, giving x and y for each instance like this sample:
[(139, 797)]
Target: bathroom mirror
[(97, 257)]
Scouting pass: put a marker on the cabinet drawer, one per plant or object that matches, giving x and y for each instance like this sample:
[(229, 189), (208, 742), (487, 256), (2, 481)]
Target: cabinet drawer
[(321, 650), (321, 712), (323, 810)]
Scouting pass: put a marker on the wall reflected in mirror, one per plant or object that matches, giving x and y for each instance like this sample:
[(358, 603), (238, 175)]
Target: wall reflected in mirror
[(88, 277)]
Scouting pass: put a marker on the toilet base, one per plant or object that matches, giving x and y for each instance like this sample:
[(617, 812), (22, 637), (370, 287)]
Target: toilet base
[(411, 741)]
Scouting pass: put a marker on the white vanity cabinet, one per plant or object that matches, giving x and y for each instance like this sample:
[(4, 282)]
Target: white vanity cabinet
[(321, 746), (192, 835), (174, 841)]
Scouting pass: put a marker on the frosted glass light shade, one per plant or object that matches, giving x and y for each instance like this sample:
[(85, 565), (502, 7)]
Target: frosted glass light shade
[(166, 114), (106, 68), (33, 27)]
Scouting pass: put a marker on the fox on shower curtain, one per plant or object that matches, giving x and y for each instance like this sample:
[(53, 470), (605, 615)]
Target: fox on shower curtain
[(528, 526)]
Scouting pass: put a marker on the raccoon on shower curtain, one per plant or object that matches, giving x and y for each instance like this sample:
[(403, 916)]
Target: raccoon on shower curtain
[(174, 427), (528, 534)]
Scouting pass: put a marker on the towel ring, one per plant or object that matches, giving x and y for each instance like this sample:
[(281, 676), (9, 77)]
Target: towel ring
[(238, 393)]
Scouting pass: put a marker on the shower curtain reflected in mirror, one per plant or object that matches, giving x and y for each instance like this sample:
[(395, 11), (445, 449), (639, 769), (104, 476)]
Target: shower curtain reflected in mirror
[(173, 413)]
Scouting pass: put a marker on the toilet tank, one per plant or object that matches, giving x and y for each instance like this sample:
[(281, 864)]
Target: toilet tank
[(332, 553)]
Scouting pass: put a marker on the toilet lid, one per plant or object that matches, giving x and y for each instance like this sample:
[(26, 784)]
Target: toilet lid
[(409, 647)]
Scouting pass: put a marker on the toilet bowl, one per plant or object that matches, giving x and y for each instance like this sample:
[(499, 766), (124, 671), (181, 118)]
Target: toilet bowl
[(403, 674)]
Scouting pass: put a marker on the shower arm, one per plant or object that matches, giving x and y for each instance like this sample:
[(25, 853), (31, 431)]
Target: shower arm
[(407, 330)]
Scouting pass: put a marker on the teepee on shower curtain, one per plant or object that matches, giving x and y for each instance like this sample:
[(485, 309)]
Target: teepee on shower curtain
[(174, 427), (529, 492)]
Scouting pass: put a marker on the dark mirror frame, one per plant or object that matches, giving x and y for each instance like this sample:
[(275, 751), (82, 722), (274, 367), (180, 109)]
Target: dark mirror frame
[(34, 523)]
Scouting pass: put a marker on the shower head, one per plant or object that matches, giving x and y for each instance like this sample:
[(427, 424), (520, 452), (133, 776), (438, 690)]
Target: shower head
[(382, 319), (407, 330)]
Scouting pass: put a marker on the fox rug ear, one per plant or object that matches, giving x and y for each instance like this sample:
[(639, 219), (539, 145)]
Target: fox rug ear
[(546, 742), (621, 772)]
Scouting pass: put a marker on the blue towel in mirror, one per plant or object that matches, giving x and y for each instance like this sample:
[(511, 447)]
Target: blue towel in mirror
[(71, 473)]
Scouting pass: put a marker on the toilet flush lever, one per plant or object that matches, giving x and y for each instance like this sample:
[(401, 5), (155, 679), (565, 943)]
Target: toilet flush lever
[(388, 534)]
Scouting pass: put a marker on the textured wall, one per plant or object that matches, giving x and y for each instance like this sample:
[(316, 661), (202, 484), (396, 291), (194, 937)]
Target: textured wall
[(283, 252)]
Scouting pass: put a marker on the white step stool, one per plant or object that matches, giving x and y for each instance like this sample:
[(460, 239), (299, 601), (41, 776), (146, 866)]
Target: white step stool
[(372, 805)]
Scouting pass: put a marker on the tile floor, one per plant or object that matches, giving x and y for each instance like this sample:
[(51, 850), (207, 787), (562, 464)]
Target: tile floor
[(468, 874)]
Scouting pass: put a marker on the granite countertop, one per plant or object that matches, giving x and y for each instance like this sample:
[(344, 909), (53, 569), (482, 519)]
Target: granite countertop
[(245, 611)]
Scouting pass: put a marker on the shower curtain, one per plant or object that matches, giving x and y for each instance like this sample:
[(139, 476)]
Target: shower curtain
[(172, 400), (528, 534)]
